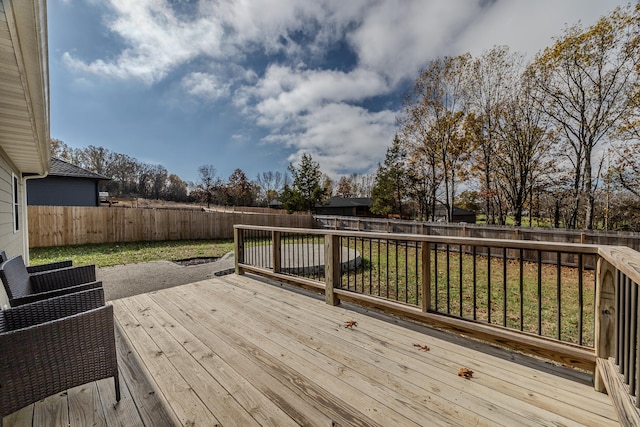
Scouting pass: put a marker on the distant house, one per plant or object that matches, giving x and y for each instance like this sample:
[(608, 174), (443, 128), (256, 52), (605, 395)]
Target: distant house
[(276, 204), (346, 206), (459, 215), (24, 117), (65, 185)]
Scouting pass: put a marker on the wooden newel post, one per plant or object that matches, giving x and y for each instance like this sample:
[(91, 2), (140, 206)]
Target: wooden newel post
[(331, 268), (238, 238), (605, 321), (276, 251)]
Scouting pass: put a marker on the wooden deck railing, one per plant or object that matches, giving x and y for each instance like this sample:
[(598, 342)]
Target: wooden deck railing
[(503, 291)]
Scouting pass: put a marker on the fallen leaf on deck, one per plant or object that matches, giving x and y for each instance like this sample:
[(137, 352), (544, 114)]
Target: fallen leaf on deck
[(466, 373), (422, 347), (350, 323)]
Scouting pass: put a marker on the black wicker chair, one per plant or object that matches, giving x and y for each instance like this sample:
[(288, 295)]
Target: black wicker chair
[(23, 288), (41, 267), (53, 345)]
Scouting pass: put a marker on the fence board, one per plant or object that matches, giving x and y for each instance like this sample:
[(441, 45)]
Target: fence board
[(73, 225)]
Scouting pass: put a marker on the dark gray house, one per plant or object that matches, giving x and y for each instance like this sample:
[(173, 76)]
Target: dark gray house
[(65, 185), (459, 215), (346, 206)]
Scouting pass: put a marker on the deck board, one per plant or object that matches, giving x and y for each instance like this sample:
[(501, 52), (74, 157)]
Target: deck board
[(235, 350)]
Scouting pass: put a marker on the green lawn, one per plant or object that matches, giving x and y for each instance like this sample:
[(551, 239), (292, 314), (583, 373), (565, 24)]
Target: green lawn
[(106, 254), (393, 271)]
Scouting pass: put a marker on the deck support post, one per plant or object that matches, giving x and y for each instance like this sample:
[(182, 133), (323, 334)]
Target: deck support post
[(238, 238), (426, 276), (331, 268), (276, 251), (605, 321)]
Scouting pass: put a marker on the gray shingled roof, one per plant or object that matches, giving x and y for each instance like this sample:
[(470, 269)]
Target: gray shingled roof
[(62, 168), (349, 202)]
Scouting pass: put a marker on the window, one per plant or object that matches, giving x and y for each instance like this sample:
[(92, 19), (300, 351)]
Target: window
[(16, 205)]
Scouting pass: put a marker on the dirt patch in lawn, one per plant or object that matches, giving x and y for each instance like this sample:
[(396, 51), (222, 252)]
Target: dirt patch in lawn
[(196, 261)]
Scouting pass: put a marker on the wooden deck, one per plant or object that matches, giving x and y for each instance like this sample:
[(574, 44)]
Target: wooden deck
[(237, 351)]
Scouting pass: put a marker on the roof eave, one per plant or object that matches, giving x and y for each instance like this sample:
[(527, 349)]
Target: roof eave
[(26, 132)]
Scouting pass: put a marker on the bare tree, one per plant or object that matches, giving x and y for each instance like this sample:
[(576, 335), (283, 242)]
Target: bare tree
[(208, 183), (523, 144), (362, 184), (270, 184), (240, 191), (158, 181), (585, 81), (432, 125), (489, 80)]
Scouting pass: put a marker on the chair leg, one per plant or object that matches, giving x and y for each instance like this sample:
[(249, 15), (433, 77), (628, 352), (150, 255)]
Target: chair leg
[(116, 381)]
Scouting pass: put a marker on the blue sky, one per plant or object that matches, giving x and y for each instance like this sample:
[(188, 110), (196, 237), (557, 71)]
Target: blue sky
[(253, 84)]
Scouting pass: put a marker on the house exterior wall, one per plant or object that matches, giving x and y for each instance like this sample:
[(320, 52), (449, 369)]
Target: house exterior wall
[(336, 211), (13, 242), (62, 191)]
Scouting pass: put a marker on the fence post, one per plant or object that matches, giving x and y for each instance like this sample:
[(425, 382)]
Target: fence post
[(331, 268), (605, 321), (276, 251), (238, 238), (426, 277)]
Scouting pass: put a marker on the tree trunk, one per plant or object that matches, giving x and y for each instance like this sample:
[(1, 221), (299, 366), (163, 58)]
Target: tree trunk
[(588, 190)]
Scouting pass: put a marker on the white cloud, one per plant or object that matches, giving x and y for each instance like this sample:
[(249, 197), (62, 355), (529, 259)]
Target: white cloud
[(159, 41), (285, 92), (528, 26), (340, 137), (205, 85), (397, 38), (309, 111)]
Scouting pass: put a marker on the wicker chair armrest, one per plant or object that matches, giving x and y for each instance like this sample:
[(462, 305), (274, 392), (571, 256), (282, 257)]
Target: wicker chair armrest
[(51, 309), (61, 278), (50, 266), (41, 296), (47, 358)]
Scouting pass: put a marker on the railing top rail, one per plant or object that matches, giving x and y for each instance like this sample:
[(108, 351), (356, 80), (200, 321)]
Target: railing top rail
[(577, 248), (624, 259)]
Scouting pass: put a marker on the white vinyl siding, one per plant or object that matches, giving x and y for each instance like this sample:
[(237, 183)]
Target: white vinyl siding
[(15, 189)]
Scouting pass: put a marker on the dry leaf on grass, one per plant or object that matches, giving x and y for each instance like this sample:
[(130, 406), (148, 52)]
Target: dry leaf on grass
[(422, 347), (350, 323), (466, 373)]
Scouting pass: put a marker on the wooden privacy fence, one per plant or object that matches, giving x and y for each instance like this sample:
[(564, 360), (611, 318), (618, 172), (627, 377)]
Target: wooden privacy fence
[(75, 225), (537, 234)]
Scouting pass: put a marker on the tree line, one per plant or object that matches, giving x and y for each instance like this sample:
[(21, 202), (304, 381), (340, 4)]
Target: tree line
[(301, 188), (131, 178), (556, 137)]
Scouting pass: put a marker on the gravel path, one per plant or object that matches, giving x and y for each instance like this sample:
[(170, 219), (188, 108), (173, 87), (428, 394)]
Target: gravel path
[(121, 281)]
